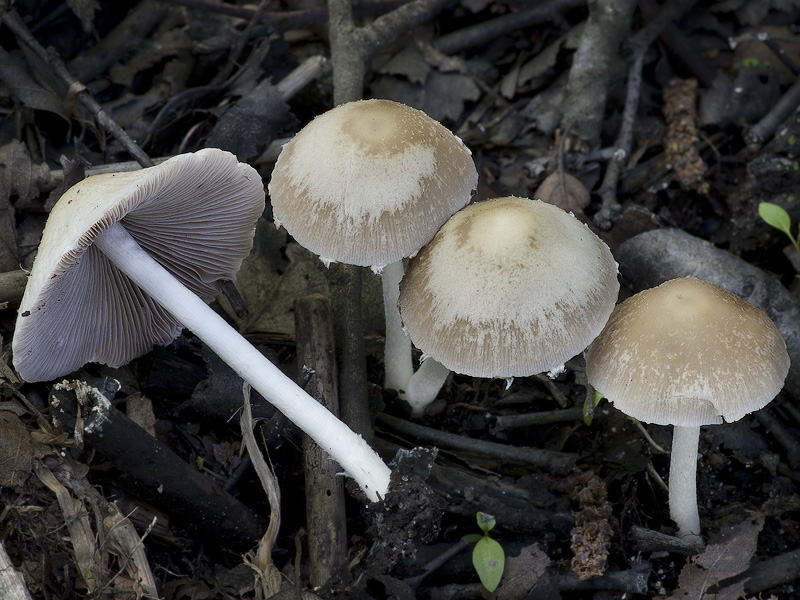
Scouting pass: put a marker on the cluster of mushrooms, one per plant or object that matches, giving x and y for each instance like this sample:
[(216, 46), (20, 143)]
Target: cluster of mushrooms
[(502, 288)]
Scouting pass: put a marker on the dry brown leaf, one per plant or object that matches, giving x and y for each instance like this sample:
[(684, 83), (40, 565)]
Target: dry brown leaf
[(16, 450), (727, 555), (522, 572), (568, 194)]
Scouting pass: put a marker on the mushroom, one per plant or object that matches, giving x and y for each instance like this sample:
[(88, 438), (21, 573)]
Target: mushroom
[(369, 183), (508, 287), (127, 259), (687, 353)]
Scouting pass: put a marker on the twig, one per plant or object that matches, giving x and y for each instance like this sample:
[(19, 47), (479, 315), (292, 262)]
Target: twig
[(772, 572), (546, 417), (481, 33), (75, 88), (238, 45), (779, 52), (610, 208), (161, 477), (651, 470), (767, 126), (438, 561), (655, 445), (680, 45), (12, 586), (670, 12), (634, 50), (555, 462), (325, 511), (590, 73), (632, 581), (283, 20), (126, 37)]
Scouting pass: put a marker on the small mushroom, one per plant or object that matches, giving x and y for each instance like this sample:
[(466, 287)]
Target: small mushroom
[(508, 287), (687, 353), (128, 259), (369, 183)]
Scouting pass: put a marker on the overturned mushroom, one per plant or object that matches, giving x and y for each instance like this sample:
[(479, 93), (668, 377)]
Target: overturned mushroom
[(128, 259)]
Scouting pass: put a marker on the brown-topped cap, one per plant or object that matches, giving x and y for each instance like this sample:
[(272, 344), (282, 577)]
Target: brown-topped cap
[(508, 287), (688, 353), (370, 182)]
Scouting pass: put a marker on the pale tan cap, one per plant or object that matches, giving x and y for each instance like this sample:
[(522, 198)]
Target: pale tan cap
[(688, 353), (370, 182), (194, 213), (508, 287)]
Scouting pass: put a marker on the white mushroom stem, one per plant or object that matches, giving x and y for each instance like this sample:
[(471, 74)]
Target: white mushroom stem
[(397, 349), (358, 460), (683, 483), (418, 389), (425, 384)]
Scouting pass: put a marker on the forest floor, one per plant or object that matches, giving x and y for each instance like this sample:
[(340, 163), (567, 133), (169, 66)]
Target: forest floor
[(678, 129)]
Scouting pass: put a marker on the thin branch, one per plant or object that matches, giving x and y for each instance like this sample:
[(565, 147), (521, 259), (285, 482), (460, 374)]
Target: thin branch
[(75, 88)]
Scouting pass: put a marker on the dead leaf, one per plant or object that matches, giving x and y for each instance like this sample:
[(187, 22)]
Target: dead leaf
[(19, 175), (408, 63), (729, 552), (279, 270), (444, 63), (727, 555), (545, 108), (545, 61), (443, 96), (16, 450), (568, 194), (14, 73), (522, 572), (76, 517)]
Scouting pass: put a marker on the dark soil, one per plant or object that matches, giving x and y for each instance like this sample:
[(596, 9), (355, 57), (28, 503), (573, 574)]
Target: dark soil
[(580, 503)]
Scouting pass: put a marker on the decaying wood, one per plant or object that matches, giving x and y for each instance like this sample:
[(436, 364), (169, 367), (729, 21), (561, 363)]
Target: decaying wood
[(12, 587), (550, 460), (156, 475), (325, 513)]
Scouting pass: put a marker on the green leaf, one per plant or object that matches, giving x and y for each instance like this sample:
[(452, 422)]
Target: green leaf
[(472, 538), (777, 217), (485, 521), (588, 411), (489, 561), (589, 406)]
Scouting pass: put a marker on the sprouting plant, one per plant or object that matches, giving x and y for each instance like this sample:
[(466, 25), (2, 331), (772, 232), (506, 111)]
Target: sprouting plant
[(777, 217), (488, 557), (589, 405)]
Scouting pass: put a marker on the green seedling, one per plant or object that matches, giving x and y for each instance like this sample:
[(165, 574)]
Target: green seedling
[(589, 406), (488, 557), (777, 217)]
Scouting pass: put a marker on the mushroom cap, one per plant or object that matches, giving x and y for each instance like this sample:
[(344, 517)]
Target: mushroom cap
[(194, 213), (370, 182), (688, 353), (508, 287)]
